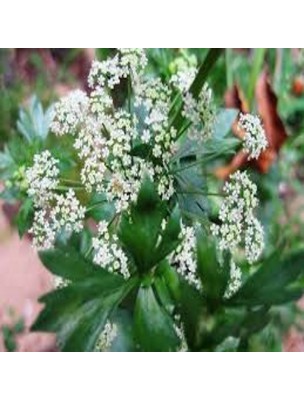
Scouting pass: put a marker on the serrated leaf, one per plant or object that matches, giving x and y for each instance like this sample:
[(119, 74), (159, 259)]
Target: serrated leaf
[(25, 217), (273, 282), (153, 327), (66, 262), (214, 276), (78, 313)]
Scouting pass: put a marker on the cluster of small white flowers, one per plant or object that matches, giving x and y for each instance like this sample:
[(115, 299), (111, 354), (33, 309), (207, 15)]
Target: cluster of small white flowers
[(201, 113), (237, 217), (235, 280), (42, 230), (254, 239), (184, 256), (67, 212), (63, 211), (155, 96), (254, 140), (60, 283), (53, 211), (107, 337), (104, 137), (108, 73), (42, 178), (69, 113), (183, 79), (107, 252), (179, 330)]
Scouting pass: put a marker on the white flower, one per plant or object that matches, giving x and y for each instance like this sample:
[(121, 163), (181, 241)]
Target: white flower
[(43, 231), (201, 113), (107, 252), (254, 140), (146, 136), (235, 280), (184, 257), (42, 178), (127, 62), (67, 212), (69, 113), (183, 79), (63, 212), (107, 337), (237, 216), (60, 283)]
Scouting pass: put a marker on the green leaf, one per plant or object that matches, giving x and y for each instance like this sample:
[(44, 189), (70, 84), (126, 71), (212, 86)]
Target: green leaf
[(224, 121), (124, 340), (214, 276), (274, 282), (153, 327), (191, 193), (198, 82), (25, 217), (169, 237), (34, 123), (238, 323), (65, 261), (192, 310), (8, 338), (139, 230), (78, 313), (141, 150)]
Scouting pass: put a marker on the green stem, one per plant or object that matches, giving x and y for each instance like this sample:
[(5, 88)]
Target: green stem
[(257, 64), (229, 71), (198, 83), (202, 193), (95, 205), (71, 181), (65, 188)]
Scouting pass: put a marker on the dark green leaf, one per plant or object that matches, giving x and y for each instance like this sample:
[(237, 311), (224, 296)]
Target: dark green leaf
[(214, 276), (79, 312), (154, 330), (25, 217), (273, 282), (65, 261)]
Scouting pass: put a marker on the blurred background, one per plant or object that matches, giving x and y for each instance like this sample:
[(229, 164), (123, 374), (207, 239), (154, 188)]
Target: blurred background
[(269, 82)]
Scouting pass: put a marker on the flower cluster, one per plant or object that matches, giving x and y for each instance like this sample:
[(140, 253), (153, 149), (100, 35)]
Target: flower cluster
[(127, 62), (235, 280), (180, 333), (42, 178), (184, 256), (183, 79), (69, 113), (62, 212), (200, 113), (108, 335), (104, 137), (53, 211), (254, 140), (239, 224), (107, 252)]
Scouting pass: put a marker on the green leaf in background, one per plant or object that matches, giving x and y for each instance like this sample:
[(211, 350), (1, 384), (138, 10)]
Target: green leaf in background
[(191, 192), (66, 262), (139, 231), (78, 312), (192, 311), (201, 77), (214, 276), (273, 282), (224, 121), (153, 327), (25, 217), (33, 122)]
